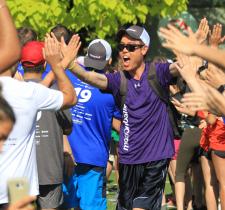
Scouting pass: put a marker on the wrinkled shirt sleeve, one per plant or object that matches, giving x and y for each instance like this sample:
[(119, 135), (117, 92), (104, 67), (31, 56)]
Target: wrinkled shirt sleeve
[(163, 74)]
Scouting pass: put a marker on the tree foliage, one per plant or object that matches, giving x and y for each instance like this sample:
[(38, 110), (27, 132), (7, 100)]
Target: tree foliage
[(99, 18)]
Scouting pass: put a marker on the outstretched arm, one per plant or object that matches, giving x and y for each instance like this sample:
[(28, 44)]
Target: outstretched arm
[(70, 52), (9, 43), (53, 57), (188, 45), (211, 101), (98, 80)]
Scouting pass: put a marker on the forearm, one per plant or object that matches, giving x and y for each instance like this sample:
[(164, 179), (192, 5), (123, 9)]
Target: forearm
[(216, 102), (66, 145), (90, 77), (194, 85), (116, 124), (210, 54), (48, 80), (9, 43), (65, 86)]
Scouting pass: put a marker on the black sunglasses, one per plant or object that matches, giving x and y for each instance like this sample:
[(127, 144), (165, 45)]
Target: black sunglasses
[(129, 47)]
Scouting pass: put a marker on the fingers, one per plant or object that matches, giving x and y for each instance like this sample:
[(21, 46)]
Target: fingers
[(205, 26), (215, 36), (166, 34), (24, 202), (176, 102), (191, 98), (54, 37), (218, 30), (51, 45), (201, 24), (62, 41), (74, 42), (190, 32), (222, 39)]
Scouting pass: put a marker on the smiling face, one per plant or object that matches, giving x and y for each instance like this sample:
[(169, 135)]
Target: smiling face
[(132, 60)]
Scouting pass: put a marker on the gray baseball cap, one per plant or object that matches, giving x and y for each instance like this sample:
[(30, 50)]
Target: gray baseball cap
[(135, 32), (98, 54)]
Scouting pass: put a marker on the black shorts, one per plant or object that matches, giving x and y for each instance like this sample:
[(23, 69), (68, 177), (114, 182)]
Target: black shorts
[(219, 153), (204, 153), (142, 185)]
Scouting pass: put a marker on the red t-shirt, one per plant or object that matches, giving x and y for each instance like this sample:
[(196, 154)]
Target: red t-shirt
[(217, 136)]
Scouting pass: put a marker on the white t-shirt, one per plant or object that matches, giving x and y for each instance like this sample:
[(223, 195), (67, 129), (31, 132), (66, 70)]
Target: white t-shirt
[(18, 158)]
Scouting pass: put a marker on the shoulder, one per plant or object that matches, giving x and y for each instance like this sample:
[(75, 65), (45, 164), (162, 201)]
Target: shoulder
[(162, 66), (113, 80)]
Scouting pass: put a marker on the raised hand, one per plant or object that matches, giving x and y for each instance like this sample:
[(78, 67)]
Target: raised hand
[(195, 101), (182, 108), (175, 40), (187, 68), (52, 51), (211, 100), (215, 37), (70, 51), (214, 76), (203, 30)]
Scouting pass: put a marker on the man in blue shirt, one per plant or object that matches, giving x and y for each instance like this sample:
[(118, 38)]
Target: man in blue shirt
[(89, 140)]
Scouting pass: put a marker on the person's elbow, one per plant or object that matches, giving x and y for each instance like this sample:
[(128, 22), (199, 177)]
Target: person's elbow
[(69, 100)]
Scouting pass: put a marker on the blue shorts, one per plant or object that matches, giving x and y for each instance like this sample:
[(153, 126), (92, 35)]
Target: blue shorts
[(86, 188)]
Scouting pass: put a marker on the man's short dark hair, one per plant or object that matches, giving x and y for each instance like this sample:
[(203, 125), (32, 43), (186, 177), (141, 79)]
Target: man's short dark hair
[(62, 31), (26, 35), (36, 69)]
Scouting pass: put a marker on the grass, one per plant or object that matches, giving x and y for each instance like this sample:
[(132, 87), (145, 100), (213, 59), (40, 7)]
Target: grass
[(112, 192)]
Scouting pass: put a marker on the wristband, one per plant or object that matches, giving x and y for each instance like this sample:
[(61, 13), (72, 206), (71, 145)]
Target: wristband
[(221, 88), (202, 68)]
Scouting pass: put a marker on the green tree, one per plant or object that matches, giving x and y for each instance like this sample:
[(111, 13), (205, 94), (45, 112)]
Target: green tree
[(99, 18)]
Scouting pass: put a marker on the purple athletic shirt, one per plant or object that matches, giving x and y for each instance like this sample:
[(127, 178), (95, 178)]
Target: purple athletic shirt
[(146, 133)]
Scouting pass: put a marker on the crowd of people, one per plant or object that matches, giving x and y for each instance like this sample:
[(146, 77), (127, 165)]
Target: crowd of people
[(63, 116)]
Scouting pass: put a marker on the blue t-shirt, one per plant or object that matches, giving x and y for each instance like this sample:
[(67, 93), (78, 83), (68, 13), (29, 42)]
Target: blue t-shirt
[(92, 122), (21, 71), (146, 133)]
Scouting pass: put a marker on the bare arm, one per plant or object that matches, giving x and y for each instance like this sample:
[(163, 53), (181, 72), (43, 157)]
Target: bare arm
[(48, 80), (69, 161), (189, 46), (70, 52), (211, 101), (211, 54), (52, 55), (98, 80), (116, 124), (9, 43)]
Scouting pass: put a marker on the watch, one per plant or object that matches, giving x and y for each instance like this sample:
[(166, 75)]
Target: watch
[(221, 88), (203, 67)]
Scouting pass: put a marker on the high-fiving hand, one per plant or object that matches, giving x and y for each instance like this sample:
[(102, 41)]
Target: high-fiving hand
[(70, 51)]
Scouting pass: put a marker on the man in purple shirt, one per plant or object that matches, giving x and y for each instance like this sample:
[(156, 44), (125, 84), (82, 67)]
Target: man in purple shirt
[(146, 136)]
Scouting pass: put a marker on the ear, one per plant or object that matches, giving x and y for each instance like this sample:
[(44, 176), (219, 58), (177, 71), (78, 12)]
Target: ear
[(144, 50)]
